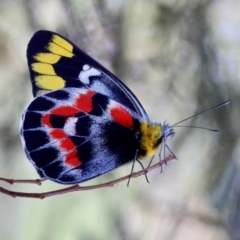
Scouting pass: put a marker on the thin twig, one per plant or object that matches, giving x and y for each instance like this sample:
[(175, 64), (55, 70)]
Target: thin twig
[(33, 181), (76, 187)]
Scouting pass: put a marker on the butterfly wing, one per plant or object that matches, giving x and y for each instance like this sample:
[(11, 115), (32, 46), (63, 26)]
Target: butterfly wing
[(75, 134), (54, 63)]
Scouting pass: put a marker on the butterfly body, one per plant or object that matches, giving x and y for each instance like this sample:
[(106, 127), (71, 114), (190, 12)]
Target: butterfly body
[(83, 121)]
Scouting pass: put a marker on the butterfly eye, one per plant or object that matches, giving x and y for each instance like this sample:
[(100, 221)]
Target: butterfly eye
[(168, 131)]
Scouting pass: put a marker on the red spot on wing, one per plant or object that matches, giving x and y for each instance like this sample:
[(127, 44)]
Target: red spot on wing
[(72, 159), (84, 102), (67, 145), (58, 134), (46, 120), (122, 116), (65, 111), (90, 93)]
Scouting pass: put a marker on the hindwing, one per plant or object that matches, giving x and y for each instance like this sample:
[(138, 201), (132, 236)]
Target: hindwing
[(55, 63), (75, 134)]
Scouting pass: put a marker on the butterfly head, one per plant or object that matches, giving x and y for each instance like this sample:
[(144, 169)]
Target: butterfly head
[(167, 132)]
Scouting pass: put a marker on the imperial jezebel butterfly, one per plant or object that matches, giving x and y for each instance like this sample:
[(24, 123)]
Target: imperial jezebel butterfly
[(83, 121)]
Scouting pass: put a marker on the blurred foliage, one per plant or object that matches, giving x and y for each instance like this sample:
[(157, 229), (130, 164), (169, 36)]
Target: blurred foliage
[(179, 58)]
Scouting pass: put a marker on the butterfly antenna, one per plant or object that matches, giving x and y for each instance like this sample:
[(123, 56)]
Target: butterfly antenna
[(210, 109), (208, 129)]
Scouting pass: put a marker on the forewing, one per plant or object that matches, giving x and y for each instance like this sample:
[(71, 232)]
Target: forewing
[(75, 134), (54, 63)]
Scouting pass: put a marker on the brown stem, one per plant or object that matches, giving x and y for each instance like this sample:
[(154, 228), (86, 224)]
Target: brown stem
[(33, 181), (76, 187)]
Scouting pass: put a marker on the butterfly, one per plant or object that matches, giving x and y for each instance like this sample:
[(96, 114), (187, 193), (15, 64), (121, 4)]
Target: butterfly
[(83, 121)]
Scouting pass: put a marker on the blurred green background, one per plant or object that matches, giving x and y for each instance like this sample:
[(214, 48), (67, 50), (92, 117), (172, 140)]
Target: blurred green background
[(179, 58)]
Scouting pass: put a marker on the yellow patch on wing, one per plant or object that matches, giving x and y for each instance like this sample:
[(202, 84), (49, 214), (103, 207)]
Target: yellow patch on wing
[(150, 138), (49, 82), (47, 58), (43, 68), (60, 47), (62, 42)]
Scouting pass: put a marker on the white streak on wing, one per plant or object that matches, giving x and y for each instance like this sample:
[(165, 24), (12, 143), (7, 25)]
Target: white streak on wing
[(102, 88), (87, 72), (70, 126)]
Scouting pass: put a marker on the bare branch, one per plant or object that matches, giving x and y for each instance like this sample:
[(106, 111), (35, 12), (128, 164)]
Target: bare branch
[(33, 181), (75, 188)]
